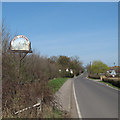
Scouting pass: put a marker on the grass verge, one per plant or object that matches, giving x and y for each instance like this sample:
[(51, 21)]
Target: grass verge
[(55, 84), (109, 84)]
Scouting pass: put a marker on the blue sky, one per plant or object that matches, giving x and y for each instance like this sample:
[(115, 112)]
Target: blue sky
[(87, 30)]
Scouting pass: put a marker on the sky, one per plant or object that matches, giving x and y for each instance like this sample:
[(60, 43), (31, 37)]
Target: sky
[(87, 30)]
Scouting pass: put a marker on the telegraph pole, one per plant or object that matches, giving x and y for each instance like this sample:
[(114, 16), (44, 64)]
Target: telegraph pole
[(114, 64), (90, 67)]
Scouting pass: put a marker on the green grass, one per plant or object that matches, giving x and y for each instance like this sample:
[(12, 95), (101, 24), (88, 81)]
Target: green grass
[(55, 84), (109, 84)]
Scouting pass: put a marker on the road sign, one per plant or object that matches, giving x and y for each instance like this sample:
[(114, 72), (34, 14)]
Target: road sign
[(20, 43)]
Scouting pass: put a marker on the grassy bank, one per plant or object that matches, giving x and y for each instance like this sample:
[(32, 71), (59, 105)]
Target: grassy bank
[(107, 83), (55, 84)]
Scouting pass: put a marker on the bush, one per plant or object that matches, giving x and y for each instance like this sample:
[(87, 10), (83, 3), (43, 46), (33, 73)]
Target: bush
[(65, 74), (94, 76), (22, 92), (112, 81), (72, 63)]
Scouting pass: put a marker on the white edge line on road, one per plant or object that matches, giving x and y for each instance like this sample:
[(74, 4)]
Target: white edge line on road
[(78, 110), (103, 84)]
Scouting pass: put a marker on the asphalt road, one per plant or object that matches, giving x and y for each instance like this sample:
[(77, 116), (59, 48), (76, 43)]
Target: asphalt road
[(95, 100)]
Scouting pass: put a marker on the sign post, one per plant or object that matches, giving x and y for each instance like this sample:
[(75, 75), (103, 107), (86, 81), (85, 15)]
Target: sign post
[(21, 45)]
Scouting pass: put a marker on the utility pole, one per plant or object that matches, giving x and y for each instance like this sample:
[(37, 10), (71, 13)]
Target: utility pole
[(90, 67), (114, 64)]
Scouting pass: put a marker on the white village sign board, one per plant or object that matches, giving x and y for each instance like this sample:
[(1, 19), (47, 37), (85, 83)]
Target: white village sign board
[(20, 43)]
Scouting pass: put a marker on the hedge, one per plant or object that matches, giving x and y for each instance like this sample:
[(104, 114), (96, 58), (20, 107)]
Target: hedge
[(94, 76), (112, 81)]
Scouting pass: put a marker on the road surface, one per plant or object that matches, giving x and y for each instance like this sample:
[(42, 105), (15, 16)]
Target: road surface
[(95, 100)]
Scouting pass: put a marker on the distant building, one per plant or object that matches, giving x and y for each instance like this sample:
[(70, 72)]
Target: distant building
[(71, 71), (112, 72), (67, 70), (59, 70)]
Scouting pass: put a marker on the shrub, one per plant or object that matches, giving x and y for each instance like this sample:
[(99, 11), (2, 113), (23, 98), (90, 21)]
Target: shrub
[(94, 76), (112, 81), (35, 71)]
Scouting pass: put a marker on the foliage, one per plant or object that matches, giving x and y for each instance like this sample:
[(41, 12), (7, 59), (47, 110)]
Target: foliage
[(112, 81), (63, 61), (35, 72), (98, 67), (22, 92), (76, 65), (94, 76), (112, 85), (72, 63)]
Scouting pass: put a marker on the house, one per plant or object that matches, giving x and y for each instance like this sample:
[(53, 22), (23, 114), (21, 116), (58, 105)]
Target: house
[(112, 72)]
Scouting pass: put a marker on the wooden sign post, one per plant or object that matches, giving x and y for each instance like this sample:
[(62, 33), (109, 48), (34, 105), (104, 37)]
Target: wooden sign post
[(21, 45)]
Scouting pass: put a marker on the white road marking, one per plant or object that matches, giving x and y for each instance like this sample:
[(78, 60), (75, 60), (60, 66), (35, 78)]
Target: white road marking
[(78, 109)]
